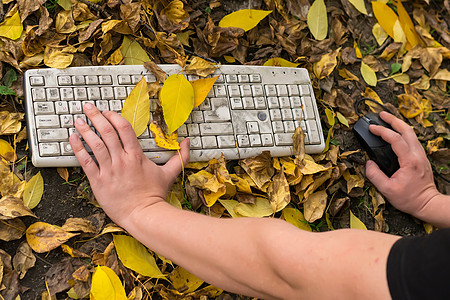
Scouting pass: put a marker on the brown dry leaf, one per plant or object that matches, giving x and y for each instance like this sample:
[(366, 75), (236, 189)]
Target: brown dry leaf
[(299, 145), (73, 252), (241, 184), (353, 181), (78, 224), (11, 229), (278, 191), (24, 259), (326, 64), (156, 71), (347, 75), (65, 23), (26, 7), (317, 181), (12, 207), (200, 67), (43, 237), (431, 59), (59, 58), (377, 199), (173, 17), (435, 144), (380, 223), (63, 173), (10, 122), (130, 12), (259, 168), (44, 21), (390, 51), (315, 205)]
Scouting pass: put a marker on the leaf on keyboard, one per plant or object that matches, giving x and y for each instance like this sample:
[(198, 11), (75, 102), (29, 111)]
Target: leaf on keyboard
[(156, 71), (33, 191), (280, 62), (164, 140), (318, 20), (106, 285), (177, 100), (200, 67), (135, 256), (11, 27), (43, 237), (202, 87), (278, 191), (244, 18), (136, 108), (57, 57), (133, 53)]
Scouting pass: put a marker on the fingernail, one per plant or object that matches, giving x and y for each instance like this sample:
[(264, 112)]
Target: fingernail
[(88, 106), (80, 121)]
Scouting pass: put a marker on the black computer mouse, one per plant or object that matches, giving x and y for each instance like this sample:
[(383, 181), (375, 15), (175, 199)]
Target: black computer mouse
[(378, 149)]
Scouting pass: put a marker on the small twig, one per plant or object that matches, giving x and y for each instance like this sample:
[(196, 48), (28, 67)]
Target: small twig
[(96, 7)]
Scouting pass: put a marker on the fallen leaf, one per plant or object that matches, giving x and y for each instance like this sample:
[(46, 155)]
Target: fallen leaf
[(244, 18), (279, 62), (156, 71), (314, 206), (63, 173), (135, 256), (347, 75), (261, 208), (59, 58), (278, 191), (183, 281), (10, 122), (7, 151), (132, 52), (73, 252), (409, 106), (34, 189), (435, 144), (385, 16), (64, 22), (318, 20), (326, 64), (296, 218), (379, 33), (368, 74), (78, 224), (177, 100), (200, 67), (43, 237), (259, 168), (408, 26), (12, 207), (24, 259), (106, 285), (201, 88), (359, 5), (11, 27), (136, 108), (356, 223), (11, 230)]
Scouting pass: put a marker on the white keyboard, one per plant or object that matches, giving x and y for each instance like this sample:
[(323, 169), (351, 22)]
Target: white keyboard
[(260, 107)]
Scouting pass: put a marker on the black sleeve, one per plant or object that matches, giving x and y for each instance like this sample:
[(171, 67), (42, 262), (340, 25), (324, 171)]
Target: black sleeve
[(419, 267)]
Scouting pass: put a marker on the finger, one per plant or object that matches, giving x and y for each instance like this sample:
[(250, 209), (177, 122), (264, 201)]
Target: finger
[(174, 166), (87, 163), (103, 126), (99, 149), (401, 127), (125, 131), (398, 144), (376, 176)]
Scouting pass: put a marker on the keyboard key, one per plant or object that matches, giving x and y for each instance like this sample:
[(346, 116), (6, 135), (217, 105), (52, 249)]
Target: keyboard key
[(52, 94), (234, 91), (255, 78), (271, 90), (52, 135), (193, 129), (105, 79), (243, 78), (273, 102), (36, 80), (232, 78), (304, 90), (248, 103), (150, 78), (182, 131), (66, 121), (260, 102), (255, 140), (196, 142), (252, 127), (93, 93), (107, 93), (257, 91), (295, 102), (222, 114), (236, 103), (61, 107), (49, 121), (226, 141), (78, 80), (91, 79), (44, 108), (75, 107), (120, 92), (313, 132), (80, 94), (67, 94), (275, 115), (220, 91), (293, 90), (216, 128), (286, 114), (124, 79), (278, 127), (135, 79), (206, 105), (39, 94), (289, 126), (102, 105), (284, 102), (66, 149), (79, 116), (197, 117), (266, 139), (115, 105), (283, 139), (297, 113), (282, 90), (64, 80), (308, 107), (49, 149), (243, 141), (209, 142)]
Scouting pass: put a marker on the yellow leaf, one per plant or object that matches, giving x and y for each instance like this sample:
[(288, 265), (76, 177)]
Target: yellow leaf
[(164, 140), (261, 208), (357, 50), (136, 108), (356, 223), (43, 237), (106, 285), (342, 119), (11, 27), (177, 100), (241, 184), (401, 78), (201, 88), (409, 106), (33, 191), (200, 67), (116, 57), (326, 64), (386, 17), (13, 207), (296, 218), (59, 58), (359, 5), (229, 59), (7, 151), (135, 256), (66, 4), (183, 281), (133, 53), (315, 205), (310, 167), (368, 74), (347, 75), (279, 62), (330, 116), (10, 122), (318, 20), (407, 25), (245, 18), (379, 33), (399, 35), (230, 205)]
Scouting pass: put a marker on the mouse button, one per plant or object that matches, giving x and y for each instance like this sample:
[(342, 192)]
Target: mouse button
[(386, 159)]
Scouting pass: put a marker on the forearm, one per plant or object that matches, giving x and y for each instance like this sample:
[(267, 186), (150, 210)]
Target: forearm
[(436, 211), (267, 258)]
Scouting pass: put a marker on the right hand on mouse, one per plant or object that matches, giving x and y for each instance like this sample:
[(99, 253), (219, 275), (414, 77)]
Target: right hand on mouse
[(412, 187)]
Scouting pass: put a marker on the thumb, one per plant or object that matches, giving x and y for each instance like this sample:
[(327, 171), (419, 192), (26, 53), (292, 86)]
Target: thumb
[(177, 162), (376, 176)]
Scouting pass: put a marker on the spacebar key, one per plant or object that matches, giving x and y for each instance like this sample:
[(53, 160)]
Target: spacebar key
[(283, 139)]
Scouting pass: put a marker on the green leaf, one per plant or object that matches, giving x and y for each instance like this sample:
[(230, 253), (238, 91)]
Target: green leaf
[(133, 53), (177, 100), (6, 91), (244, 18), (318, 20), (359, 5), (10, 77), (33, 191), (135, 256), (368, 74), (342, 119), (106, 285), (356, 223), (136, 108), (395, 67)]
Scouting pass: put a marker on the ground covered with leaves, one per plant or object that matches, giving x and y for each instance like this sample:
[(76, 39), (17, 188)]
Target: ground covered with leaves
[(56, 243)]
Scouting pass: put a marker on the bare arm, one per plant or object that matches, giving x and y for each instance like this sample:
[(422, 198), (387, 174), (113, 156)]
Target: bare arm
[(411, 189)]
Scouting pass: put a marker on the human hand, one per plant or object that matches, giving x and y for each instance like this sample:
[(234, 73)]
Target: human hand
[(412, 187), (123, 179)]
